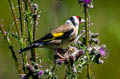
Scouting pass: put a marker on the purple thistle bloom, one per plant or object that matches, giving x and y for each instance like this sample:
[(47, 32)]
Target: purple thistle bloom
[(86, 1), (60, 62), (102, 51), (40, 73), (25, 77)]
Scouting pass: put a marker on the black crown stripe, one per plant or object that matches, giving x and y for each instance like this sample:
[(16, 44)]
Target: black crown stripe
[(73, 21)]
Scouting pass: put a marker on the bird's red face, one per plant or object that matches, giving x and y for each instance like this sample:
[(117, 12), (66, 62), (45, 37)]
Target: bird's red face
[(75, 20), (79, 18)]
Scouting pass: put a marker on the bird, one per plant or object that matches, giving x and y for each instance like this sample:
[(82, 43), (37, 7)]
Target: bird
[(59, 37)]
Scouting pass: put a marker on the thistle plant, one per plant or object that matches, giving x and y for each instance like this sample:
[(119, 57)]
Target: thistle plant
[(85, 50)]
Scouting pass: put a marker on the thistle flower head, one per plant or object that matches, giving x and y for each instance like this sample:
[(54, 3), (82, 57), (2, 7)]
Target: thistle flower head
[(102, 50), (40, 73), (86, 1)]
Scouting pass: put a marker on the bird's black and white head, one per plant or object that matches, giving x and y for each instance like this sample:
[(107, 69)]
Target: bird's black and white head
[(75, 20)]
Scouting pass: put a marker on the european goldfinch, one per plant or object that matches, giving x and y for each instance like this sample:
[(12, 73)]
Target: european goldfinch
[(59, 37)]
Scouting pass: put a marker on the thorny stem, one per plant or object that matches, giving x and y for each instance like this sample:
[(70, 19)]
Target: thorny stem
[(34, 28), (23, 44), (24, 55), (87, 40), (19, 6), (11, 48), (30, 34), (33, 12), (2, 30), (23, 20), (14, 17)]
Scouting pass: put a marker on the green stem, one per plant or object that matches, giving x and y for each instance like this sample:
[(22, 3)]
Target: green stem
[(34, 29), (87, 41), (24, 55), (23, 19), (19, 6), (34, 36), (14, 18), (23, 44), (29, 25)]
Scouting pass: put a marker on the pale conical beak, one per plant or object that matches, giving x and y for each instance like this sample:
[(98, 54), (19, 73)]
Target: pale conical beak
[(82, 20)]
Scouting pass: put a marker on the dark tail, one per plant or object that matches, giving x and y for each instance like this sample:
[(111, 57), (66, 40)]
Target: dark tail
[(34, 45)]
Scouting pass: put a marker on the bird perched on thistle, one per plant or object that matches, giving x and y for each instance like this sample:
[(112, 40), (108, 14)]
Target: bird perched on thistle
[(59, 37)]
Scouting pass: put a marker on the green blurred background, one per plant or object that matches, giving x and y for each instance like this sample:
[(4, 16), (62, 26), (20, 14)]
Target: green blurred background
[(106, 18)]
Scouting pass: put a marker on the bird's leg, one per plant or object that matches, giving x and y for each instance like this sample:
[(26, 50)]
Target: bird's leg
[(61, 57), (60, 53)]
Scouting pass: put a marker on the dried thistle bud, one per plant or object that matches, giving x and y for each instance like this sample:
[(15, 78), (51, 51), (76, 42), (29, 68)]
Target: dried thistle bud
[(35, 6), (66, 61), (30, 68), (100, 61), (74, 68), (80, 1), (94, 35), (59, 62), (36, 66), (90, 5), (90, 49), (72, 54), (95, 40), (22, 76), (80, 53), (76, 54)]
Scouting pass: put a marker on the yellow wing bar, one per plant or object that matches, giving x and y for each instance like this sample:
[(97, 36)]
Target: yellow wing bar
[(55, 35)]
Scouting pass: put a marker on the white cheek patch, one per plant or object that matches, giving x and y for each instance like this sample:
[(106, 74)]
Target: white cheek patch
[(76, 20)]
